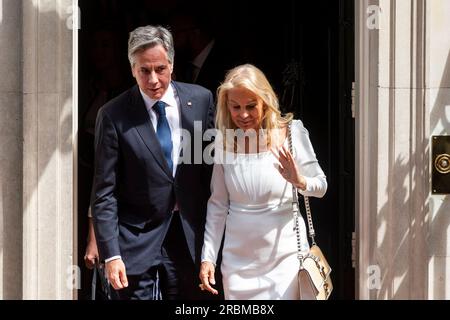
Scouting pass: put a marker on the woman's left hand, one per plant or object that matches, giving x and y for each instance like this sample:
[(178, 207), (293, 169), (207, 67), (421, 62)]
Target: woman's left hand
[(288, 167)]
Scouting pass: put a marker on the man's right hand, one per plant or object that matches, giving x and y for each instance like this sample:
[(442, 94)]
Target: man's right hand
[(115, 271)]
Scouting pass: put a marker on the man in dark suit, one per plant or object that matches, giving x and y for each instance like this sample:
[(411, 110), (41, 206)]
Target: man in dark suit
[(148, 209)]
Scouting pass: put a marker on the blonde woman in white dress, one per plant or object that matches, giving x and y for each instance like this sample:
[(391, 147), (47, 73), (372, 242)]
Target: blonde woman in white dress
[(251, 200)]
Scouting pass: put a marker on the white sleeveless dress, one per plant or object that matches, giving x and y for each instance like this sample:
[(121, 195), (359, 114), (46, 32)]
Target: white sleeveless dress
[(252, 203)]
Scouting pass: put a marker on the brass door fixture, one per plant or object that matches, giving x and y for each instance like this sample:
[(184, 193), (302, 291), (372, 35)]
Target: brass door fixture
[(440, 177)]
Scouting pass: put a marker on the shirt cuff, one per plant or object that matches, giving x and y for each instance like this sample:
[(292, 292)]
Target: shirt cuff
[(309, 185), (113, 258), (206, 260)]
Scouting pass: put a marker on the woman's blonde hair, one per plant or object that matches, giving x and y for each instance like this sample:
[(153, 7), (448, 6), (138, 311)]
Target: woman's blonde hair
[(253, 79)]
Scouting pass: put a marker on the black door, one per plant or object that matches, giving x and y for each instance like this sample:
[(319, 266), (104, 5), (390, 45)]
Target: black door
[(305, 48)]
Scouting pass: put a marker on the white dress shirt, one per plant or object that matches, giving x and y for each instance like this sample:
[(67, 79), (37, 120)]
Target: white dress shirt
[(173, 117)]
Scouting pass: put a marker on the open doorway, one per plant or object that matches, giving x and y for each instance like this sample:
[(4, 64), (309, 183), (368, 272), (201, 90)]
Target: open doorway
[(305, 49)]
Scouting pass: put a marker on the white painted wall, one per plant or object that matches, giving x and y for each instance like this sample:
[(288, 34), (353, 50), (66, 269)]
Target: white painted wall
[(10, 150), (438, 103)]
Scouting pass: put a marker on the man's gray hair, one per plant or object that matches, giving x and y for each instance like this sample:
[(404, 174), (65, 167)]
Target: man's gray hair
[(146, 37)]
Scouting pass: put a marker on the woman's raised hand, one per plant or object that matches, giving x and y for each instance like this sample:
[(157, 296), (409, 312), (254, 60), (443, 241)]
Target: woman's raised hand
[(288, 167)]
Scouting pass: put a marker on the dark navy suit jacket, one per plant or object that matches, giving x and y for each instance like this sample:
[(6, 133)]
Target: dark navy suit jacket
[(134, 191)]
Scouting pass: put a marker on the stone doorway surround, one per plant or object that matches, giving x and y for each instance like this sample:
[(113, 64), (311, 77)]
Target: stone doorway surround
[(402, 98), (49, 171), (38, 101)]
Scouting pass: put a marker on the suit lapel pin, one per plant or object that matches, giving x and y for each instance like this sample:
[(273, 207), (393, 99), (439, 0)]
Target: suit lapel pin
[(189, 104)]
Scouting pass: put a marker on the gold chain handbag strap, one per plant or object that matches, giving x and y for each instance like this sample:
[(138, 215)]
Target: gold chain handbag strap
[(296, 207)]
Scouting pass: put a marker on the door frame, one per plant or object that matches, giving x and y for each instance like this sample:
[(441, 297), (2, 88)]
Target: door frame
[(364, 188)]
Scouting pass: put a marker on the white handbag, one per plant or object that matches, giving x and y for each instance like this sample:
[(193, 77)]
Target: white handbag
[(314, 274)]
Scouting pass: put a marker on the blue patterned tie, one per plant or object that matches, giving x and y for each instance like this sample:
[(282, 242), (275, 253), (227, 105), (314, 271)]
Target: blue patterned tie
[(163, 132)]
